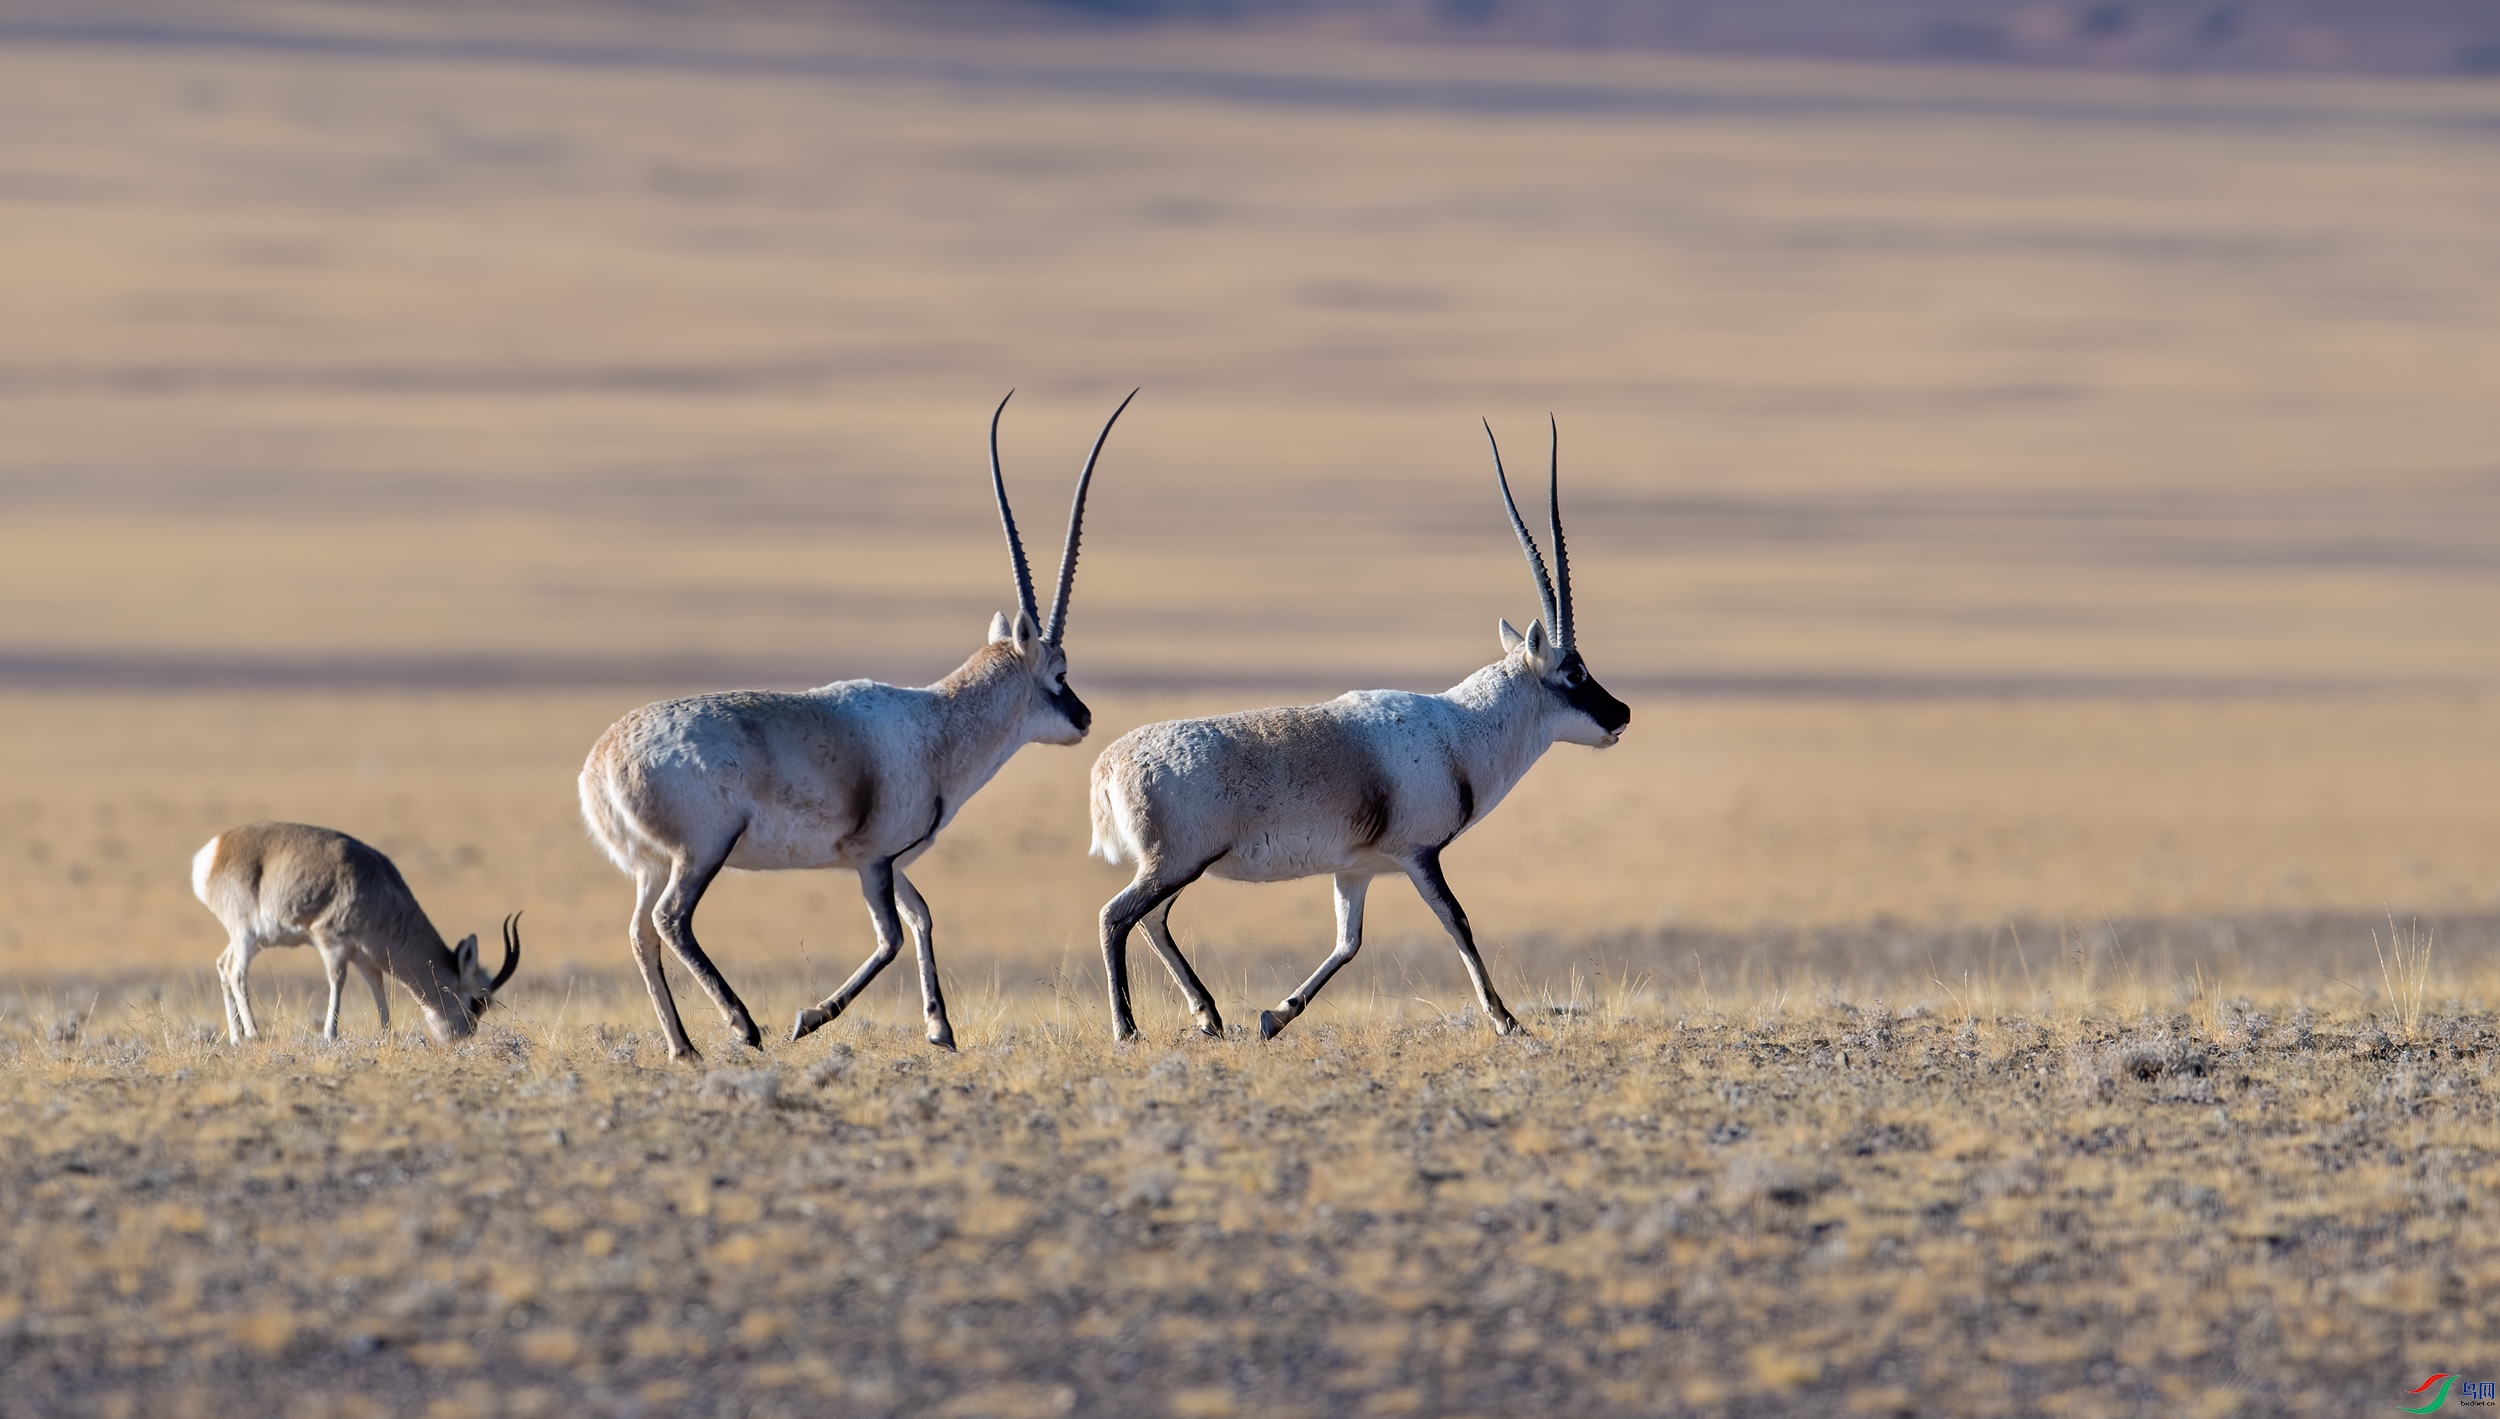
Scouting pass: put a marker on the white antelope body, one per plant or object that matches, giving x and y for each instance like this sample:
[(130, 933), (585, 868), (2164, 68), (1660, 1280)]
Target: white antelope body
[(855, 775), (292, 884), (1372, 782)]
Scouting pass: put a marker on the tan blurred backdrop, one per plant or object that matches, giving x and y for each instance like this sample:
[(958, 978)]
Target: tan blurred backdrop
[(2005, 496)]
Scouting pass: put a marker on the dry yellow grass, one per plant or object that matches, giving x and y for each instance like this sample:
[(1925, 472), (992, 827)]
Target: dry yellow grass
[(2217, 1209)]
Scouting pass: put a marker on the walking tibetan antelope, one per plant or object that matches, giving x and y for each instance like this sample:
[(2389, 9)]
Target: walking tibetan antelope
[(855, 775), (286, 884), (1372, 782)]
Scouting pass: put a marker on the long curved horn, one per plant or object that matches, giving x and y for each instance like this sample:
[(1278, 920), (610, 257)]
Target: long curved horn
[(1076, 526), (511, 951), (1553, 513), (1527, 543), (1015, 544)]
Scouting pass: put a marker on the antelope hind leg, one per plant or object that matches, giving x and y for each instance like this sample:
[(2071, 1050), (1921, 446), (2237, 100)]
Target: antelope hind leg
[(1158, 924), (674, 915), (643, 934)]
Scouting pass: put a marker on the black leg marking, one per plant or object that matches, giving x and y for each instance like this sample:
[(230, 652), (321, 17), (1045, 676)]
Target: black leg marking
[(1158, 924), (1120, 916), (1425, 872), (876, 883)]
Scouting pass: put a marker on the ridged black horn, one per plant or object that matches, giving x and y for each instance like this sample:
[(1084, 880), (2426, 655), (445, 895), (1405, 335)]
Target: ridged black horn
[(1562, 558), (1015, 544), (1076, 527), (1527, 543), (511, 951)]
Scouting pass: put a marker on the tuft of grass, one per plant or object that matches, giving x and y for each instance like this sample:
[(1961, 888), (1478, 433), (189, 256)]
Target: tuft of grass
[(2404, 968)]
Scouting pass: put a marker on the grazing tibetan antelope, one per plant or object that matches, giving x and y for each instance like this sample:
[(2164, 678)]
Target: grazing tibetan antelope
[(286, 884), (856, 775), (1371, 782)]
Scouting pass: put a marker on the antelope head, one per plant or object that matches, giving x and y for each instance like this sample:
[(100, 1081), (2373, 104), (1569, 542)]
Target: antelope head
[(1054, 714), (477, 988), (1549, 652)]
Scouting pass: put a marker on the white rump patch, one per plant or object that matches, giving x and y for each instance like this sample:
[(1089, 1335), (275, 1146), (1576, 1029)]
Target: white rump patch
[(203, 863)]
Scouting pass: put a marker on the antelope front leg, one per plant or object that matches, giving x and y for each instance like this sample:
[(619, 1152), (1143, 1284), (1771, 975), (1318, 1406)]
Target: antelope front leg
[(1426, 874), (932, 1003), (1350, 891), (876, 883)]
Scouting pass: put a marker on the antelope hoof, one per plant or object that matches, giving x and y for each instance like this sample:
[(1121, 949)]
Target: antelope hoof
[(1210, 1024), (1270, 1022), (1503, 1024), (810, 1020), (683, 1053), (942, 1035)]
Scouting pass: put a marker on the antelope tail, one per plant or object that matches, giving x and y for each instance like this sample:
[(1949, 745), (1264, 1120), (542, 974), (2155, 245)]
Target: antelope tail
[(1111, 836)]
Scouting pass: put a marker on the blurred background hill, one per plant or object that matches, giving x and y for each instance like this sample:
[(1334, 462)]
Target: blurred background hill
[(2310, 36), (2006, 488), (395, 343)]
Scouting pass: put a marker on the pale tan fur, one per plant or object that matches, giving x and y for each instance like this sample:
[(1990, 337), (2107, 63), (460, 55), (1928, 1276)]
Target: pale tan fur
[(293, 884)]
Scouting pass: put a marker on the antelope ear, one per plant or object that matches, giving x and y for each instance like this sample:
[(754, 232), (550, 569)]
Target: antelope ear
[(1025, 634), (466, 953), (1511, 640), (999, 629), (1541, 656)]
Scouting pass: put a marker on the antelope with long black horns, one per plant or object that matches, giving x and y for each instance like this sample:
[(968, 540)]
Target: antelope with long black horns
[(1372, 782), (855, 775)]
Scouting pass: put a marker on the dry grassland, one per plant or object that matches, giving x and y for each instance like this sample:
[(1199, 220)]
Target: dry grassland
[(1806, 1207), (2218, 1165)]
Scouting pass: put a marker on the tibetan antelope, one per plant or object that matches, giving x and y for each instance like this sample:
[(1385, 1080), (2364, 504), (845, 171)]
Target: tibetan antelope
[(286, 884), (1371, 782), (855, 775)]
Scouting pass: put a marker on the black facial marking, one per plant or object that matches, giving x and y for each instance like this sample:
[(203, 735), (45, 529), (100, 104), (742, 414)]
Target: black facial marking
[(1071, 708), (1371, 821), (1580, 690)]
